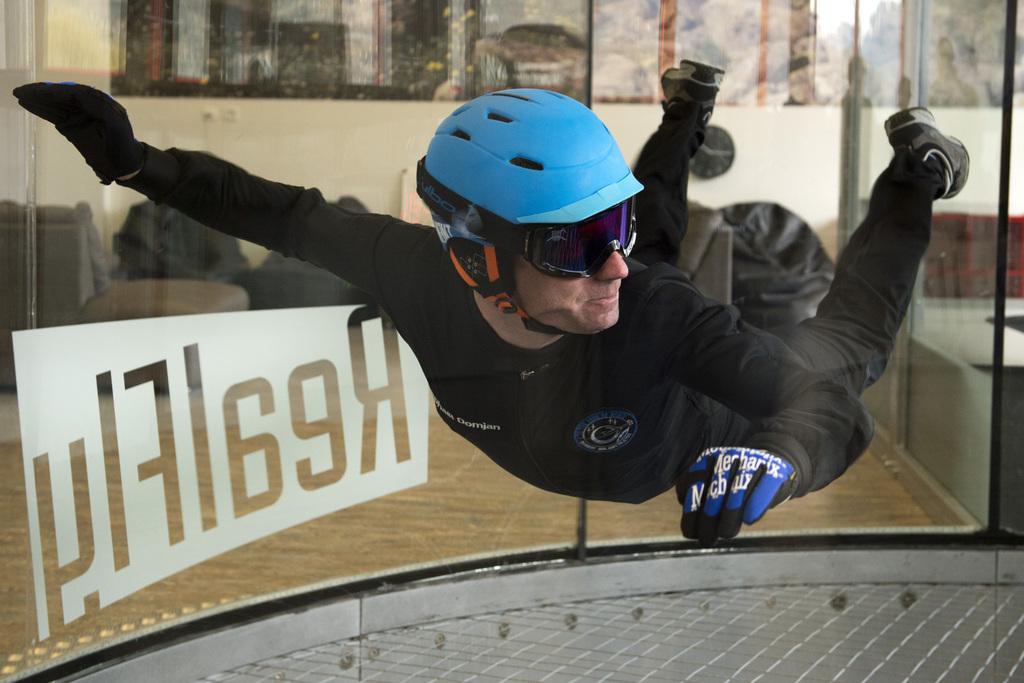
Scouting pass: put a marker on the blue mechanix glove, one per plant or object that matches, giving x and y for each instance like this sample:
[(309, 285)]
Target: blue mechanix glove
[(728, 486), (92, 121)]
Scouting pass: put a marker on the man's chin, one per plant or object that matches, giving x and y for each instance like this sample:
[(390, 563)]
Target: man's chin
[(607, 324), (587, 320), (598, 323)]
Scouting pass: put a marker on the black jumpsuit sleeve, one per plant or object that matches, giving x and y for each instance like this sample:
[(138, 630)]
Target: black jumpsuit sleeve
[(292, 220), (818, 424)]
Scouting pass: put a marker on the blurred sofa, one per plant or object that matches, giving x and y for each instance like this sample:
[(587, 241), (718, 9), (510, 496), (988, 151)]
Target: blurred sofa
[(158, 242), (166, 264), (73, 282), (705, 254)]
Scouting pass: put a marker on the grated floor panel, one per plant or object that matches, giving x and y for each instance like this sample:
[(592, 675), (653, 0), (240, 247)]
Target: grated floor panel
[(794, 634)]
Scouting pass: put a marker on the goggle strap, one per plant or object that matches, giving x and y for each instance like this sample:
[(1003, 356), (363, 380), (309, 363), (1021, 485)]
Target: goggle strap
[(461, 271), (491, 257), (435, 195), (448, 204), (505, 304)]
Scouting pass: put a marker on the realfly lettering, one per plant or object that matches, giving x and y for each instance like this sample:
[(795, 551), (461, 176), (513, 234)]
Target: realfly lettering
[(202, 436), (483, 426)]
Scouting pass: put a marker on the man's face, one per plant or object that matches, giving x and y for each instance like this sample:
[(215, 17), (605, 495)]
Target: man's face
[(581, 305)]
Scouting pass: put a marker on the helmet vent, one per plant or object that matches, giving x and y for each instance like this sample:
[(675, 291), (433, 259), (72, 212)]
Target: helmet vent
[(495, 116), (527, 163), (459, 133), (508, 94)]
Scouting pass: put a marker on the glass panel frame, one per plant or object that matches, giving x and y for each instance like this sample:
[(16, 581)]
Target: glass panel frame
[(485, 517), (1009, 421)]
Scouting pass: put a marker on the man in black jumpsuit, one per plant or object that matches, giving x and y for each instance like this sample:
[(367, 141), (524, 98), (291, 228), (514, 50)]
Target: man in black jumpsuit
[(676, 391)]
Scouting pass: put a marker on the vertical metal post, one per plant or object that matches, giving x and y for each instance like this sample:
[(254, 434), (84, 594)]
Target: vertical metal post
[(800, 71), (581, 530), (996, 460), (26, 55), (849, 156), (588, 94), (457, 46), (913, 73), (667, 17), (581, 508), (915, 92), (912, 44), (923, 41), (762, 55)]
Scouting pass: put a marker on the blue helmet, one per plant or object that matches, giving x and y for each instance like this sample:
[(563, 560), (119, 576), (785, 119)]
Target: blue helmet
[(510, 158), (530, 156)]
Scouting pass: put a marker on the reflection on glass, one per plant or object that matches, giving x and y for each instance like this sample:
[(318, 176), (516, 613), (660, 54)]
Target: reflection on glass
[(532, 56), (400, 49), (17, 312), (880, 25), (626, 40), (965, 64), (192, 41), (329, 69), (949, 88), (129, 433), (78, 35), (782, 53), (785, 52), (928, 468), (949, 353)]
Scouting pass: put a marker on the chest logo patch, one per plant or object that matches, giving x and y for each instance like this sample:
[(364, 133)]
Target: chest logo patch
[(605, 430)]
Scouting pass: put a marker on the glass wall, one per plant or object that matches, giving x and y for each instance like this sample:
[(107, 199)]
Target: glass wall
[(197, 423), (351, 49), (950, 351), (16, 308), (835, 72), (954, 65), (192, 423), (1012, 414)]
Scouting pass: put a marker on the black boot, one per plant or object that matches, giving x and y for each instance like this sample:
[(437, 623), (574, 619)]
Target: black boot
[(915, 130)]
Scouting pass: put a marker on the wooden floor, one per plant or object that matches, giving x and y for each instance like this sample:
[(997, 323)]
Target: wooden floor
[(468, 507)]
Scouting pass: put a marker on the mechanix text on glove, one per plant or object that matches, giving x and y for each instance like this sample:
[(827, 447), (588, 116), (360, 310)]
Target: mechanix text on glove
[(730, 486)]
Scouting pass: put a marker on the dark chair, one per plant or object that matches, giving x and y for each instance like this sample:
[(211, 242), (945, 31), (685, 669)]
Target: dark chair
[(73, 283), (705, 254)]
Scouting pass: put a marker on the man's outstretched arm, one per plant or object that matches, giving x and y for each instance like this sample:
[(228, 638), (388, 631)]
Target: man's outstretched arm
[(292, 220)]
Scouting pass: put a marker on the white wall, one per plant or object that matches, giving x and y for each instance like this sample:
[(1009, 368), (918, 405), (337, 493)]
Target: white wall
[(981, 132), (788, 155), (341, 147)]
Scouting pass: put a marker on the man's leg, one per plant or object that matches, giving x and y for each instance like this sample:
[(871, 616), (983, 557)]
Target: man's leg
[(855, 327), (664, 163)]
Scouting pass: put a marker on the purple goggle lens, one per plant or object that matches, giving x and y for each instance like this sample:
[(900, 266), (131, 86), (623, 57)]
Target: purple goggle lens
[(580, 249)]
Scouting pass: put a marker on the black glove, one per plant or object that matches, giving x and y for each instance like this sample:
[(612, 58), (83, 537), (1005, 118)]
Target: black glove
[(95, 124), (727, 487)]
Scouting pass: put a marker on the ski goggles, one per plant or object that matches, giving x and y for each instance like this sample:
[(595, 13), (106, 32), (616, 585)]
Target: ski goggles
[(581, 249), (564, 249)]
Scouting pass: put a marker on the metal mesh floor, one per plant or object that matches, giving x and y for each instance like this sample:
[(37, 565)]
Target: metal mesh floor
[(795, 634)]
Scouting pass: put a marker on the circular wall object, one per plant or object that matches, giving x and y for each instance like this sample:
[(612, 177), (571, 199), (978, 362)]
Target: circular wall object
[(715, 156)]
